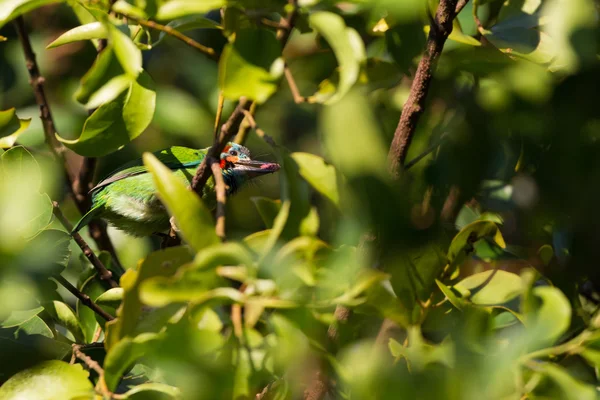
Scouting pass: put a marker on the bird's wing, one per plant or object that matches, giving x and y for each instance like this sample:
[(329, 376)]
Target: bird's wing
[(174, 158)]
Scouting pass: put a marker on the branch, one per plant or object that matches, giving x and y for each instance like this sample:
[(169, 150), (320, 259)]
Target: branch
[(84, 298), (221, 198), (228, 130), (298, 98), (92, 364), (104, 274), (175, 33), (259, 131), (440, 29), (77, 183)]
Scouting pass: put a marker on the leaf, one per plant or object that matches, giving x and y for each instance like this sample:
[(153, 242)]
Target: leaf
[(53, 246), (463, 242), (320, 175), (11, 127), (347, 46), (160, 291), (64, 315), (267, 208), (550, 319), (230, 254), (191, 215), (180, 8), (116, 123), (128, 54), (251, 66), (123, 354), (452, 297), (568, 387), (11, 9), (498, 289), (111, 298), (49, 380), (93, 287), (186, 24), (106, 68), (93, 30), (17, 318), (152, 390), (123, 7)]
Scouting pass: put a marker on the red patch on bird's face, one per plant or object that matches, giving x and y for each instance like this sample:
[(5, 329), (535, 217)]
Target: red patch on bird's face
[(222, 164)]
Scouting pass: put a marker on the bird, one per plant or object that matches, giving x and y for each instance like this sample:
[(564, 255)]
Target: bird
[(127, 198)]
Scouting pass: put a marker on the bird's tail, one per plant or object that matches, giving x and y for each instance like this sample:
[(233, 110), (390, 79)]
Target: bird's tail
[(88, 217)]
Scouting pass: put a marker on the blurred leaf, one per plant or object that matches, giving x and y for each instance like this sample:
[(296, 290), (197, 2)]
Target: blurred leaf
[(452, 297), (498, 289), (49, 380), (123, 7), (188, 24), (126, 51), (191, 215), (13, 8), (116, 123), (310, 224), (251, 66), (568, 387), (459, 36), (112, 298), (17, 318), (124, 354), (550, 319), (93, 30), (404, 42), (158, 292), (11, 127), (420, 354), (320, 175), (180, 8), (150, 391), (158, 263), (347, 46), (64, 315), (546, 253), (230, 254), (267, 208), (53, 245)]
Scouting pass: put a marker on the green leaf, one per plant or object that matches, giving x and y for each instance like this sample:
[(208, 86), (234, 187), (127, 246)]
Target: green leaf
[(11, 9), (180, 8), (187, 24), (53, 246), (17, 318), (93, 30), (568, 387), (267, 208), (105, 69), (11, 127), (64, 315), (93, 287), (116, 123), (49, 380), (251, 66), (123, 7), (128, 54), (230, 254), (405, 42), (111, 298), (321, 176), (123, 354), (463, 242), (498, 289), (347, 46), (191, 215), (147, 391), (550, 319)]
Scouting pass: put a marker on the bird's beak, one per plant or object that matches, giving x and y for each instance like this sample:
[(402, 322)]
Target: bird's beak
[(255, 168)]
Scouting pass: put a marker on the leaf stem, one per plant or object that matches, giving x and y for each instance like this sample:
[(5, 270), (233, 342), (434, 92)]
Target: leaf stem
[(84, 298)]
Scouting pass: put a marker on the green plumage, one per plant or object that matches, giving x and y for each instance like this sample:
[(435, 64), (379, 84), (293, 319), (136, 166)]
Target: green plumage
[(127, 198)]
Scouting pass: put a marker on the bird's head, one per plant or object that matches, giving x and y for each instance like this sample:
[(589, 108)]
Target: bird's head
[(238, 167)]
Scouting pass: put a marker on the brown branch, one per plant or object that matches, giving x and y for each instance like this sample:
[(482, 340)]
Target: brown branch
[(229, 129), (440, 29), (92, 364), (459, 6), (84, 298), (220, 104), (298, 98), (245, 128), (78, 184), (104, 274), (261, 134), (175, 33), (221, 198)]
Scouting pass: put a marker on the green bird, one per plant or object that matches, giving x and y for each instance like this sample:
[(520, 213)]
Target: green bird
[(127, 198)]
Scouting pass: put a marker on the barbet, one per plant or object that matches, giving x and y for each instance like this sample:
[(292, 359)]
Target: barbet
[(128, 199)]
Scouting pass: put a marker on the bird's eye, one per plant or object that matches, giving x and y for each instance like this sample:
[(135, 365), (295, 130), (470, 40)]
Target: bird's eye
[(233, 153)]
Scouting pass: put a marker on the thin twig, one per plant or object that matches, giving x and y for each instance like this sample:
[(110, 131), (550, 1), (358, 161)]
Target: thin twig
[(229, 129), (298, 98), (220, 105), (245, 127), (459, 6), (175, 33), (259, 131), (440, 29), (92, 364), (104, 274), (84, 298), (221, 198)]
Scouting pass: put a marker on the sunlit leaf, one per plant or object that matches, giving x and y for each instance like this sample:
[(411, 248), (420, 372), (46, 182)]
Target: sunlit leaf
[(125, 8), (567, 386), (346, 44), (152, 390), (93, 30), (191, 215), (180, 8), (13, 8), (320, 175), (116, 123), (65, 316), (128, 54), (11, 127), (251, 66), (48, 380), (551, 318), (16, 318), (490, 287)]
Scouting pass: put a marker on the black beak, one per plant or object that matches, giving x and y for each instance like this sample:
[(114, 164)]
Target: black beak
[(255, 168)]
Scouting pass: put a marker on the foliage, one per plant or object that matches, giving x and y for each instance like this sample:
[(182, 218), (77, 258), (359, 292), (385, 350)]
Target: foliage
[(485, 251)]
